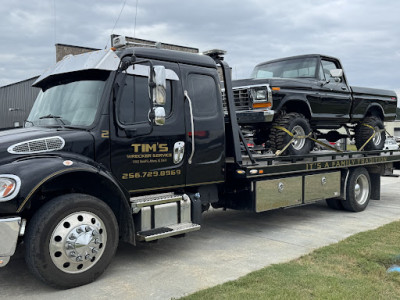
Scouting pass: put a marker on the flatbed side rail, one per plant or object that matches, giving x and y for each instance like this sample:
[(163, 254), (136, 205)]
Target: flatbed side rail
[(273, 166)]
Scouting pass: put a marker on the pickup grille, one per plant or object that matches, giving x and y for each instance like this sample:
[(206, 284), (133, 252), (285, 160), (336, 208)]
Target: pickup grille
[(242, 99)]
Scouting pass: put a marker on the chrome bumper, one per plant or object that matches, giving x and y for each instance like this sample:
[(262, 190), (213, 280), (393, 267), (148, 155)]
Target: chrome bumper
[(255, 116), (9, 231)]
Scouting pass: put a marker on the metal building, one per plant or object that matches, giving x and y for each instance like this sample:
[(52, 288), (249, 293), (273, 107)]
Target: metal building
[(16, 101)]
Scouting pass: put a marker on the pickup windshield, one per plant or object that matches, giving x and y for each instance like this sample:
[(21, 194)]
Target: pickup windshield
[(291, 68), (69, 100)]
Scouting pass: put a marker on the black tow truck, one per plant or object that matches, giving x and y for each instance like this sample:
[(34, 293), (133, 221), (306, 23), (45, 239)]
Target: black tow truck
[(132, 144)]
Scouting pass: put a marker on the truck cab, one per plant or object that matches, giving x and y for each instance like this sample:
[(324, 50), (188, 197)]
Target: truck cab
[(112, 127)]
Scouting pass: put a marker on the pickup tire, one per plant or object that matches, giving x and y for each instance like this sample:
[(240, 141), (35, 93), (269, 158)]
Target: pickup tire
[(297, 124), (71, 240), (358, 190), (363, 133)]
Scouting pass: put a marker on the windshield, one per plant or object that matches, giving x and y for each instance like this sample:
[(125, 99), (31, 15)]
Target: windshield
[(291, 68), (69, 102)]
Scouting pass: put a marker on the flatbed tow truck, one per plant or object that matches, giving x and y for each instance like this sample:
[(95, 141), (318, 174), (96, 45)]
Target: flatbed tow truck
[(133, 145)]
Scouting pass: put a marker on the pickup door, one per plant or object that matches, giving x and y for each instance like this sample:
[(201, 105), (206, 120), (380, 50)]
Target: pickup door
[(335, 97)]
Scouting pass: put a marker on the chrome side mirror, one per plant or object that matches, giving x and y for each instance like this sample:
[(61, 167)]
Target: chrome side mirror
[(336, 74), (159, 116), (159, 90)]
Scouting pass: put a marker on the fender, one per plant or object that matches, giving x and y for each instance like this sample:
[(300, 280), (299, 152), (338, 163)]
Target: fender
[(375, 107), (44, 177), (292, 100)]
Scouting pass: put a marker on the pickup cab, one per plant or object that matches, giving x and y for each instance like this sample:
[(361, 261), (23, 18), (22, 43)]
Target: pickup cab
[(306, 93)]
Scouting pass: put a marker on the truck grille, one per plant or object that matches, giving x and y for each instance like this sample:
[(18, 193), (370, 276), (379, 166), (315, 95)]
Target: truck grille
[(242, 98), (37, 146)]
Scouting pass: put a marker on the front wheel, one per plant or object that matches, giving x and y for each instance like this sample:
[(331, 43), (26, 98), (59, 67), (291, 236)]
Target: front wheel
[(71, 240), (297, 125)]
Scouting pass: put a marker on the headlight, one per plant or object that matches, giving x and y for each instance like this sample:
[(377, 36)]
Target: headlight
[(259, 94), (9, 186)]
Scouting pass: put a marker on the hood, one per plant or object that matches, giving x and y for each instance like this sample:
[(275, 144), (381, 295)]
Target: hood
[(22, 142), (295, 83)]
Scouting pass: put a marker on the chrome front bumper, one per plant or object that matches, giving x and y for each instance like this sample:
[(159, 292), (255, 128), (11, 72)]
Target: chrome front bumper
[(9, 231), (255, 116)]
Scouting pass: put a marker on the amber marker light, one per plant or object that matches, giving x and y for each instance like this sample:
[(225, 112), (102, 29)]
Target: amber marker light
[(276, 89), (113, 49), (262, 105)]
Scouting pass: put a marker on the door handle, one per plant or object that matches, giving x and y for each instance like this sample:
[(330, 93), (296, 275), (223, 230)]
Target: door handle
[(192, 125), (179, 151), (344, 88)]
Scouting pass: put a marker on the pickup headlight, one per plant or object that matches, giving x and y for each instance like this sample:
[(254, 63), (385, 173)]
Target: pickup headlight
[(9, 186), (262, 96)]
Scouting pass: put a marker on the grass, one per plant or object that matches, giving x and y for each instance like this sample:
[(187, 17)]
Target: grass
[(354, 268)]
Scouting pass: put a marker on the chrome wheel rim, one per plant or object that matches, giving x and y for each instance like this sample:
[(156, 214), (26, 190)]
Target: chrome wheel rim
[(361, 189), (78, 242), (298, 144), (377, 136)]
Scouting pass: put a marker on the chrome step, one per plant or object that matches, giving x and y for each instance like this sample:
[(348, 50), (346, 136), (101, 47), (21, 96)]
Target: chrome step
[(148, 200), (166, 231)]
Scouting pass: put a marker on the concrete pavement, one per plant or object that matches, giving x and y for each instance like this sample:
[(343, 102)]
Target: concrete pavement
[(229, 245)]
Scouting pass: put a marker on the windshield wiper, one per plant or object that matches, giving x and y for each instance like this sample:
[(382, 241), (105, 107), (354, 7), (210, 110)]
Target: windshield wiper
[(58, 118)]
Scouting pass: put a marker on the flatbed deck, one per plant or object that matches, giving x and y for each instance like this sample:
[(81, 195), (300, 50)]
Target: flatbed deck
[(267, 165)]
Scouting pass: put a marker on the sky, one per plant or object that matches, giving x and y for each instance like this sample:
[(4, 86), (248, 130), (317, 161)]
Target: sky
[(364, 34)]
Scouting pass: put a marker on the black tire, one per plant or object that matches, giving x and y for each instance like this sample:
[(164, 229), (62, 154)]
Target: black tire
[(363, 133), (335, 203), (358, 190), (71, 240), (294, 122)]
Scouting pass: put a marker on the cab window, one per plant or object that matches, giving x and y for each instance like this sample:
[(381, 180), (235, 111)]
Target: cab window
[(134, 105)]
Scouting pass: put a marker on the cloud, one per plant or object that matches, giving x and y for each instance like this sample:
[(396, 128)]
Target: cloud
[(363, 34)]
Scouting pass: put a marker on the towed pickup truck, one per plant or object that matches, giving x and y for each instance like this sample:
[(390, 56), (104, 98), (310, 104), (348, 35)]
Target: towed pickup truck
[(298, 96)]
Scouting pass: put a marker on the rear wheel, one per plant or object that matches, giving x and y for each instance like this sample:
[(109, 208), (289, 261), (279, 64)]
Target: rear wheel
[(358, 190), (365, 130), (71, 240), (298, 125)]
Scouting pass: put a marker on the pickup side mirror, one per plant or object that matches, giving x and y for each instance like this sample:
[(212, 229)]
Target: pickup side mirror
[(336, 74), (160, 85)]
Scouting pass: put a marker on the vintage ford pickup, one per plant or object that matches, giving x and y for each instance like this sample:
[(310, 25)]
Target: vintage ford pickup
[(298, 96)]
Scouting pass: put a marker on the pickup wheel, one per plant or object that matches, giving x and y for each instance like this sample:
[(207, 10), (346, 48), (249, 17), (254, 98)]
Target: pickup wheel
[(363, 133), (71, 240), (358, 190), (298, 125)]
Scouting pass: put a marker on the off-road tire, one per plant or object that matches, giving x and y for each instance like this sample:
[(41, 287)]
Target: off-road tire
[(279, 139), (49, 227), (363, 133), (358, 190)]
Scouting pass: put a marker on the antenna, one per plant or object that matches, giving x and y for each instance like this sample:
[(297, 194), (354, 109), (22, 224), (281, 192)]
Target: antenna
[(112, 31), (134, 28)]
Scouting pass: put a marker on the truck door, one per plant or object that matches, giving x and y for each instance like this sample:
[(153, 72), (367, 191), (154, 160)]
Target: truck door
[(203, 105), (142, 156), (335, 96)]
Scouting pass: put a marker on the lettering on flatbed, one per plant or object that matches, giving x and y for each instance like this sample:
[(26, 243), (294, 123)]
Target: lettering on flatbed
[(345, 163)]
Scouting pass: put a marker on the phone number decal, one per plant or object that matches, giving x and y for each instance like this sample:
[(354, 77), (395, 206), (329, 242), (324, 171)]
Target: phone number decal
[(151, 174)]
